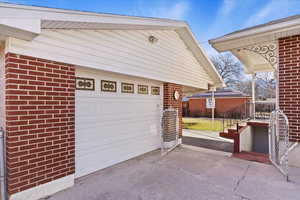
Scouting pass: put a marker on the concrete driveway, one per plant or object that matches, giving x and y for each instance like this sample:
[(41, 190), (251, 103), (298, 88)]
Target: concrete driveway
[(207, 139), (188, 173)]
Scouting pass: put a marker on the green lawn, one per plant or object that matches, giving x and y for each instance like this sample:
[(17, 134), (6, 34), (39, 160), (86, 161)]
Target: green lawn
[(203, 124)]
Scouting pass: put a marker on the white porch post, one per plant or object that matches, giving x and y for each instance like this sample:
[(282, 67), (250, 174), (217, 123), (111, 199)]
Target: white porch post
[(276, 75), (253, 95), (213, 89)]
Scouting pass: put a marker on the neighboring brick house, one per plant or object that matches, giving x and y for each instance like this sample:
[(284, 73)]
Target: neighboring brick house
[(226, 100), (83, 91), (272, 47)]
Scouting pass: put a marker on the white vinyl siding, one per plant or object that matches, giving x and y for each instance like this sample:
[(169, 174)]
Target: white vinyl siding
[(111, 127), (122, 51)]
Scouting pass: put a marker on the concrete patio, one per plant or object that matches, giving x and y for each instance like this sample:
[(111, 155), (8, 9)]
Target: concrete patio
[(189, 173)]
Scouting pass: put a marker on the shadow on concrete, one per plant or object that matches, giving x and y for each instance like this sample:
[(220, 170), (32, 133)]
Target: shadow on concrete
[(207, 139), (208, 143)]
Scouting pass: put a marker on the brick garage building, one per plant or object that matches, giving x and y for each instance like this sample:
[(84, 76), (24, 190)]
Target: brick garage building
[(272, 47), (83, 91), (226, 100)]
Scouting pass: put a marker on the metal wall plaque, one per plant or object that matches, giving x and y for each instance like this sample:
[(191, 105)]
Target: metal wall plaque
[(143, 89), (127, 88), (210, 102), (85, 83), (155, 90), (108, 86)]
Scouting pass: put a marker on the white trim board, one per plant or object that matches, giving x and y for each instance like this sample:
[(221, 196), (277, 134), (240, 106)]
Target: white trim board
[(45, 190)]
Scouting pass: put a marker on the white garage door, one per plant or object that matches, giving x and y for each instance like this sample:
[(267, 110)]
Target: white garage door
[(112, 127)]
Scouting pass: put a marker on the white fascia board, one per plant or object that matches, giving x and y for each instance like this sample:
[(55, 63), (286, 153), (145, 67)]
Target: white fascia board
[(30, 25), (25, 29), (262, 29), (256, 35), (20, 11)]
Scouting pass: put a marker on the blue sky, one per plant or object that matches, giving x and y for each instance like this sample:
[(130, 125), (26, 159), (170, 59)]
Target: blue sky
[(207, 18)]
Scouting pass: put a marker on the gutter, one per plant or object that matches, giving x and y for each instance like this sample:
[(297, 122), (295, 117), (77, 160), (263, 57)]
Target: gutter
[(3, 190)]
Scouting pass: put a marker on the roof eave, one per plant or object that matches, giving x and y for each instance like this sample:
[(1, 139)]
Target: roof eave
[(262, 33), (115, 21)]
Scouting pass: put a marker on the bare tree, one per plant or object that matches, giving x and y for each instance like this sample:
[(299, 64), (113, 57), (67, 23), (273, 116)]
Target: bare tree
[(245, 87), (229, 68), (264, 86), (267, 84)]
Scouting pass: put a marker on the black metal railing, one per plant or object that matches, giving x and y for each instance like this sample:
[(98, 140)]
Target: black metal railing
[(235, 116), (261, 110)]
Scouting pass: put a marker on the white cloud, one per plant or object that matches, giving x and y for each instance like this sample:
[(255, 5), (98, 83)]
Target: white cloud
[(226, 7), (274, 9), (222, 17), (177, 10)]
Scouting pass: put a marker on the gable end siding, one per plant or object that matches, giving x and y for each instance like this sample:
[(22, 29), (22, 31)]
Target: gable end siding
[(122, 51)]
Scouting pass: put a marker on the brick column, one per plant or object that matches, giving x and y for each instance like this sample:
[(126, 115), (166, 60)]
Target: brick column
[(170, 102), (289, 82), (40, 109)]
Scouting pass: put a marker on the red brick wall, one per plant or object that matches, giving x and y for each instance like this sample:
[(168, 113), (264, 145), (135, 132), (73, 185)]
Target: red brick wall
[(197, 107), (40, 107), (289, 82), (170, 102)]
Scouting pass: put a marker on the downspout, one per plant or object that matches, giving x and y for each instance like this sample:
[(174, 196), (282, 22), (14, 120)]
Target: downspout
[(276, 77), (2, 166), (253, 95)]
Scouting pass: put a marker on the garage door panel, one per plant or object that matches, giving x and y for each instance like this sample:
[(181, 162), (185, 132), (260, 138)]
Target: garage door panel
[(116, 153), (112, 145), (121, 115), (92, 137), (119, 155), (113, 108), (118, 123), (121, 118), (114, 127), (102, 108), (112, 154), (116, 130)]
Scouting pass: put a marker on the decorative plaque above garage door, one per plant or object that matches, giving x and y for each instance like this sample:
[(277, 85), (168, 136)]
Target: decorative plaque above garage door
[(143, 89), (127, 88), (108, 86), (155, 90), (85, 83)]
